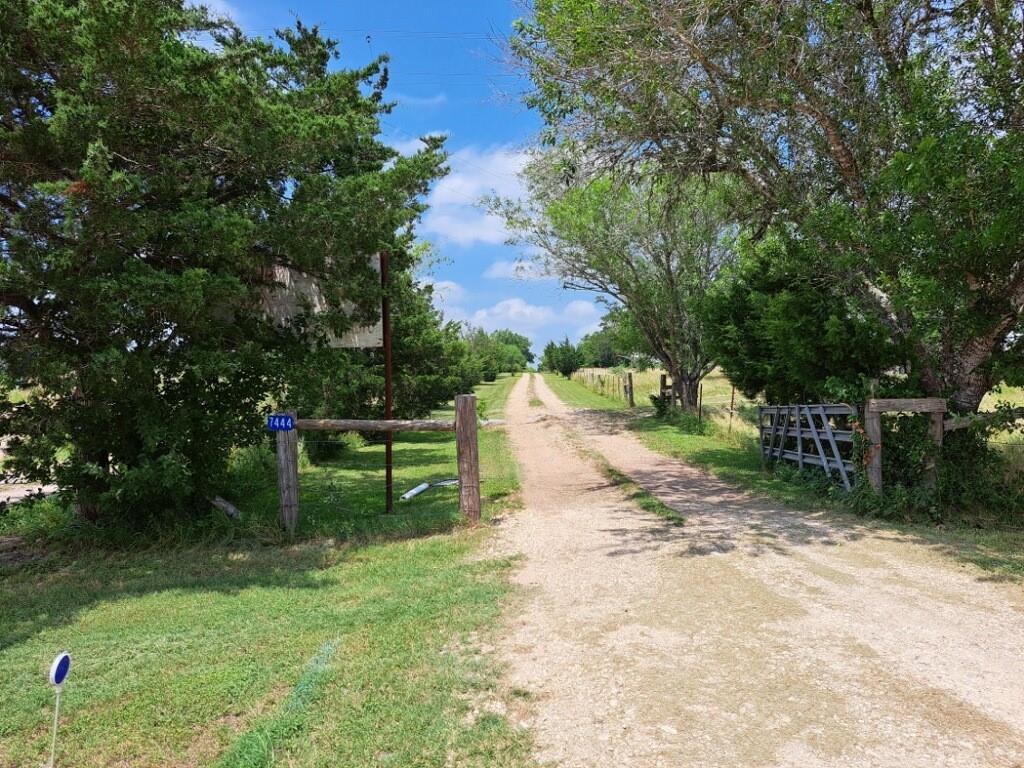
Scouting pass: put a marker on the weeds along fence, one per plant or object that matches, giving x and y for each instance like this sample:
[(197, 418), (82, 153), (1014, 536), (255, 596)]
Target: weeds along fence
[(718, 392), (607, 382)]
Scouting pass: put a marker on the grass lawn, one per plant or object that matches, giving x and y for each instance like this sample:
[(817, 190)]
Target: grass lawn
[(359, 644), (735, 458), (717, 388), (575, 395)]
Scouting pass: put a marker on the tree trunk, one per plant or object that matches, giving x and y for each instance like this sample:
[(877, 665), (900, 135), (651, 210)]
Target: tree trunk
[(686, 389), (86, 504), (87, 510)]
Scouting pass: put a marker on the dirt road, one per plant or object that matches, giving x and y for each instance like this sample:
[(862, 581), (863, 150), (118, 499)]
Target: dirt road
[(750, 636)]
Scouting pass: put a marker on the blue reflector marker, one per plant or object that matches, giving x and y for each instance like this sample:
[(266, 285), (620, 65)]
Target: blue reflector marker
[(60, 668), (58, 674)]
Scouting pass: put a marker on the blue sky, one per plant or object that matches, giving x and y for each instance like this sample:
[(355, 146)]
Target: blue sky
[(448, 76)]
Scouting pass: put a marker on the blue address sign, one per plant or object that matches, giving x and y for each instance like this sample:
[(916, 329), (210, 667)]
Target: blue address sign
[(280, 422)]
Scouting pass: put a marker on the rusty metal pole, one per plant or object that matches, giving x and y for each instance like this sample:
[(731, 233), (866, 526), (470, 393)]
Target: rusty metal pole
[(385, 310)]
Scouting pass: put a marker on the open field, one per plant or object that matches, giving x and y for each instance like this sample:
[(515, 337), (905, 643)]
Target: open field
[(717, 388), (356, 645)]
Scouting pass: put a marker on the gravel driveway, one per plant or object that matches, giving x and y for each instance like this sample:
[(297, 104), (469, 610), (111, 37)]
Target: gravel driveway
[(751, 635)]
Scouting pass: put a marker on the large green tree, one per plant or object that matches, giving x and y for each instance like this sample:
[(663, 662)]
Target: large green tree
[(887, 136), (517, 340), (150, 189), (654, 248), (618, 342), (777, 330)]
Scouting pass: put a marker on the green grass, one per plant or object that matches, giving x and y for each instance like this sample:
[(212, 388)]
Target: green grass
[(575, 395), (358, 645), (495, 394), (718, 391)]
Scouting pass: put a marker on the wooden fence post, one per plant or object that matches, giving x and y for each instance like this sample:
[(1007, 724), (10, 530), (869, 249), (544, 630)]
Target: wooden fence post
[(937, 430), (873, 429), (469, 456), (288, 476), (629, 391)]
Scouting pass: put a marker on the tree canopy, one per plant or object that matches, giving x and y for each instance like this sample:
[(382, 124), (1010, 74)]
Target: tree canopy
[(887, 137), (562, 357), (149, 187), (654, 248), (617, 342)]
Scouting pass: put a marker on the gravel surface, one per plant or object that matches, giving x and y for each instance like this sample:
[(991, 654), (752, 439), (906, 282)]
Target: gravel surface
[(751, 635)]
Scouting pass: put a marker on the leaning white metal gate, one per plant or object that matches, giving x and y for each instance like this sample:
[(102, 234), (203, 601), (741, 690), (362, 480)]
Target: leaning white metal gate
[(818, 435)]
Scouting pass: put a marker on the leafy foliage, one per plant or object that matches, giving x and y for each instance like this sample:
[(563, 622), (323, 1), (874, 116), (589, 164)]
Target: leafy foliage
[(774, 328), (148, 188), (502, 351), (618, 342), (886, 137), (517, 340), (564, 358), (652, 247)]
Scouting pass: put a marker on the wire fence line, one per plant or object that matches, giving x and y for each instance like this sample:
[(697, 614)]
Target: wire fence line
[(718, 392)]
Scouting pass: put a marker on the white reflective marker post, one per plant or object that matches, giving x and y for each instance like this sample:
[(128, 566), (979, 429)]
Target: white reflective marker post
[(58, 674)]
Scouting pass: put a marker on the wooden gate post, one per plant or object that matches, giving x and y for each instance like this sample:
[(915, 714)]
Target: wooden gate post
[(937, 431), (631, 398), (873, 410), (469, 456), (288, 476), (873, 429)]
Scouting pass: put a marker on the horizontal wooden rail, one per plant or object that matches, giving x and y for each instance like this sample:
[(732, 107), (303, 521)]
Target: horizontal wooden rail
[(466, 450), (963, 421), (829, 408), (907, 405), (371, 425)]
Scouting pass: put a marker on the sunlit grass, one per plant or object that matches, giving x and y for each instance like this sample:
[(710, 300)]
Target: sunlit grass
[(359, 644), (575, 395), (718, 391)]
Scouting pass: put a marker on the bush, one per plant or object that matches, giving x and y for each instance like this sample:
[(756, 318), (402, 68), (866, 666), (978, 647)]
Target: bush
[(661, 404), (249, 469), (976, 482), (326, 446)]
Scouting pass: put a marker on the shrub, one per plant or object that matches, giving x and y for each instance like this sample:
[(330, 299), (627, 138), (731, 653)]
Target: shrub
[(322, 447)]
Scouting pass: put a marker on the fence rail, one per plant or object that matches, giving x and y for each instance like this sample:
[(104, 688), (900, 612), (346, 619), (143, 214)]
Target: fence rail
[(617, 386), (810, 434), (467, 453)]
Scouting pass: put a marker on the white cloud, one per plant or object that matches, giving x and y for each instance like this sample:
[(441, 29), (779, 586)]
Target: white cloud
[(412, 146), (516, 270), (455, 213), (446, 292), (533, 320), (583, 311), (408, 100)]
